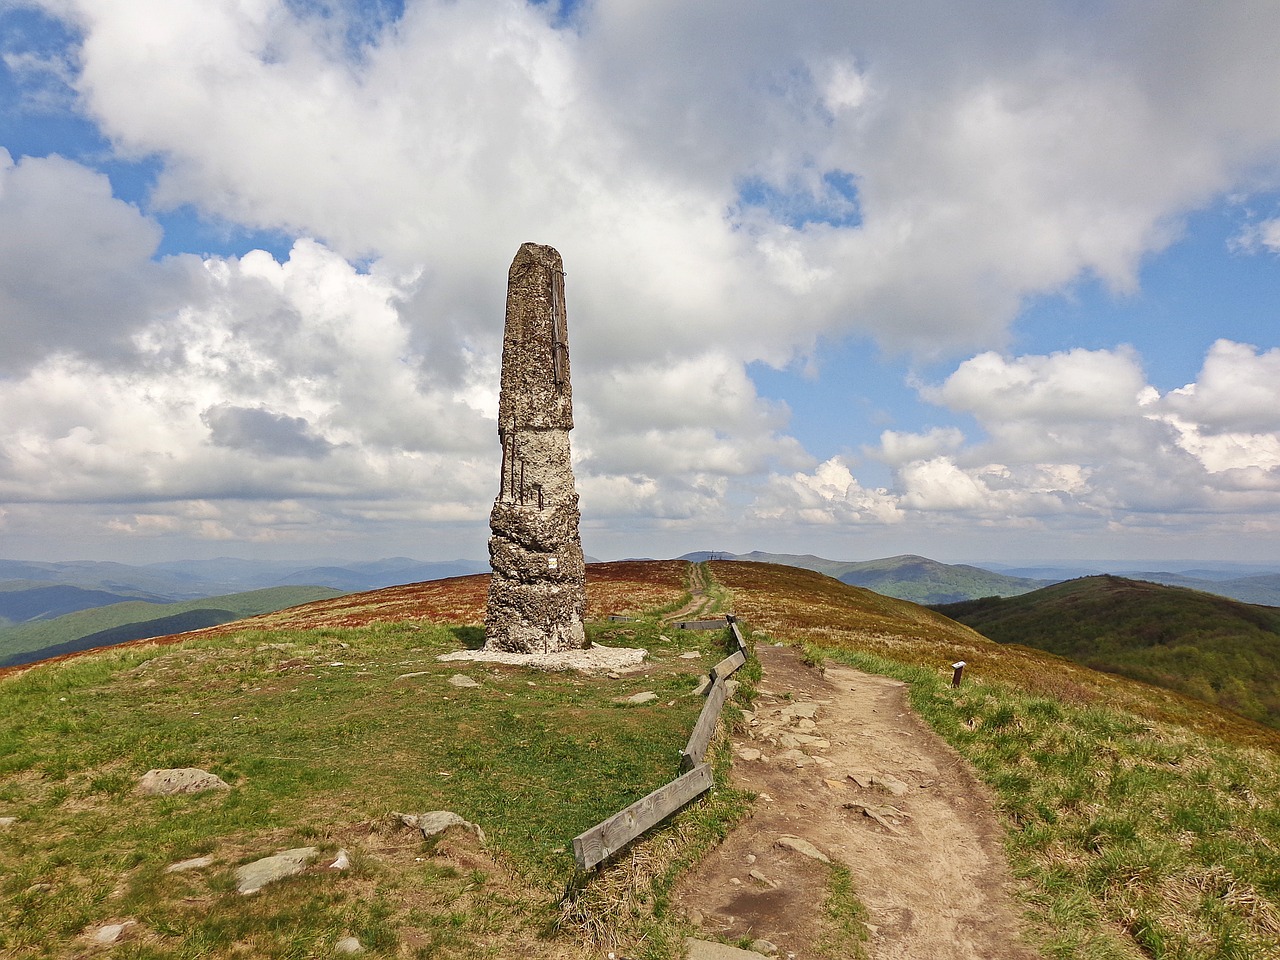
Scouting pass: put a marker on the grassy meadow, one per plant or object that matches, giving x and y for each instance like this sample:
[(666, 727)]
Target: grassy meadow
[(323, 732)]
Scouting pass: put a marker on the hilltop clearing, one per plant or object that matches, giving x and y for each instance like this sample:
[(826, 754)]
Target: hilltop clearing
[(1217, 650), (932, 583), (323, 731), (1138, 823), (1262, 588)]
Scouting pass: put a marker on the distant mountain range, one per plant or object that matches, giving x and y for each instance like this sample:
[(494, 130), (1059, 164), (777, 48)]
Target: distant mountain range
[(47, 605), (42, 637), (930, 582), (1209, 647), (48, 609), (197, 579), (907, 577)]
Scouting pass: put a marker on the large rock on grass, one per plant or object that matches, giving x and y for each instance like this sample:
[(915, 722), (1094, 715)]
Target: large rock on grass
[(164, 783), (252, 877)]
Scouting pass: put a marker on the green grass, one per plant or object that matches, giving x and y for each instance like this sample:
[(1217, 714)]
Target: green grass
[(320, 741), (846, 916)]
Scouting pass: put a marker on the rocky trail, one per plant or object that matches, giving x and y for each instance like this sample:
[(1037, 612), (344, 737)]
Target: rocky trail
[(845, 770)]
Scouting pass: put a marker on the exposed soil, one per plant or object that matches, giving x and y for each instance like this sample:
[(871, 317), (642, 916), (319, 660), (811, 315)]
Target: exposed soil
[(839, 759), (699, 601)]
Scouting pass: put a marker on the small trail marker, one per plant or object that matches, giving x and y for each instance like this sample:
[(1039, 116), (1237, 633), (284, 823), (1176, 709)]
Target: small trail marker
[(958, 667)]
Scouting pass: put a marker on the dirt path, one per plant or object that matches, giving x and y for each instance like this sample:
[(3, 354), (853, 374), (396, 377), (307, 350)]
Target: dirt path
[(699, 603), (841, 761)]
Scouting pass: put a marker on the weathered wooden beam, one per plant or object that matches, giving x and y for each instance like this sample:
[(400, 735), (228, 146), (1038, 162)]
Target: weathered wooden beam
[(700, 625), (728, 666), (700, 739), (737, 634), (606, 838)]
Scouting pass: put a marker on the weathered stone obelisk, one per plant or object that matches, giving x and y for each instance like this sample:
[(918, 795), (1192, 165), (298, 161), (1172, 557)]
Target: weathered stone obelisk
[(537, 596)]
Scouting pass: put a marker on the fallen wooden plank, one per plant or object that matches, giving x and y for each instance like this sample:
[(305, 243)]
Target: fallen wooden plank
[(700, 625), (728, 665), (700, 739), (606, 838), (737, 635)]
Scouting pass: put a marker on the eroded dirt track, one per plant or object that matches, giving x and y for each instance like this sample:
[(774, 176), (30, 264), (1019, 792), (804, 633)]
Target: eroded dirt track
[(841, 761)]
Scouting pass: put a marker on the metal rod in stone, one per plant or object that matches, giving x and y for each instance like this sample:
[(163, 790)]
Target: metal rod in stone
[(502, 477), (559, 331), (511, 485)]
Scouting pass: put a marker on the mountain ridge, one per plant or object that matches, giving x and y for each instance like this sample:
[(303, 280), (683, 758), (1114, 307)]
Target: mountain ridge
[(1216, 649)]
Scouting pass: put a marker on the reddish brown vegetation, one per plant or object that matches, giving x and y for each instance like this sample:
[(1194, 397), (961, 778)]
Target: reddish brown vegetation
[(634, 586), (629, 586)]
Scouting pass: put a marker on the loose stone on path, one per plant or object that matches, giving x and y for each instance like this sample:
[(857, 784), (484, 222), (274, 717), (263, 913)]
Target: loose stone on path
[(435, 823), (803, 847), (709, 950)]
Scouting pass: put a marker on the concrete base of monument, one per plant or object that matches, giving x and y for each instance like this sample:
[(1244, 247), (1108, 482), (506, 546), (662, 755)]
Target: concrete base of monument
[(595, 658)]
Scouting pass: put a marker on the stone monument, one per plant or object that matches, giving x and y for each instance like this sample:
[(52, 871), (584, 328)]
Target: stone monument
[(537, 594)]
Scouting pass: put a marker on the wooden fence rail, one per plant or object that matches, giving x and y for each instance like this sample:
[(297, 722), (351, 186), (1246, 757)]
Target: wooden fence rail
[(592, 847)]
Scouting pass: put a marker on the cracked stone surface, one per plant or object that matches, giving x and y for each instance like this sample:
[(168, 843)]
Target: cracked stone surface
[(537, 595)]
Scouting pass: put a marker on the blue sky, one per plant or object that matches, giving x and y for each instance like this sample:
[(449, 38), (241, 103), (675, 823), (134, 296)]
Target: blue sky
[(967, 281)]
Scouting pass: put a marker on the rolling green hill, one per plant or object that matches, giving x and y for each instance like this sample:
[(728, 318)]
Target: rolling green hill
[(137, 619), (23, 601), (1209, 647)]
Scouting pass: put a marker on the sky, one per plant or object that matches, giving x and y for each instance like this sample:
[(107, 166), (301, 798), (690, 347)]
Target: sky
[(973, 280)]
